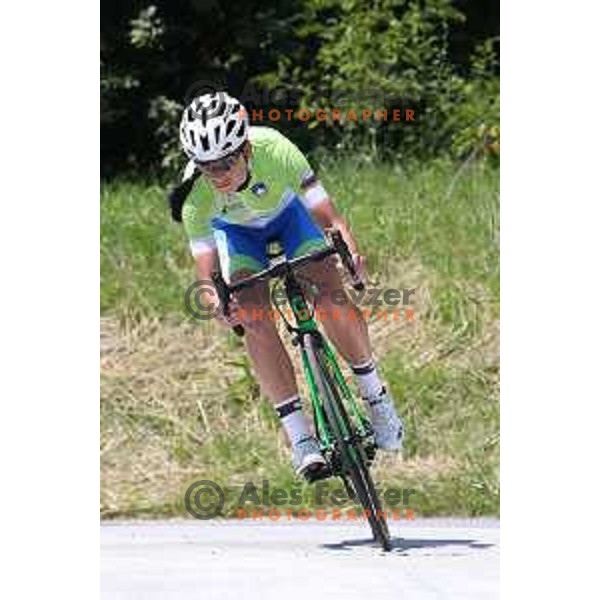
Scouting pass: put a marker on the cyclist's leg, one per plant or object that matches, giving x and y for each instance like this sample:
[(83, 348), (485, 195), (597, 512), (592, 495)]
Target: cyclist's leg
[(242, 252), (344, 325), (300, 235), (342, 320), (264, 346)]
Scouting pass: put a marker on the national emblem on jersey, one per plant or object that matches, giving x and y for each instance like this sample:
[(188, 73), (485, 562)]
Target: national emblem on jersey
[(259, 189)]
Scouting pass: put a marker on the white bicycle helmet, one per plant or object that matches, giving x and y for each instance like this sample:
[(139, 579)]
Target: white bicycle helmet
[(213, 125)]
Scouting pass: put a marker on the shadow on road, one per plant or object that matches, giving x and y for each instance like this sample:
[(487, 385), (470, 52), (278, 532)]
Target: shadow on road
[(402, 545)]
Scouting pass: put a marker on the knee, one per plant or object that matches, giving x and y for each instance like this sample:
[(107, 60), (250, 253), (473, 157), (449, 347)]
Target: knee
[(335, 304)]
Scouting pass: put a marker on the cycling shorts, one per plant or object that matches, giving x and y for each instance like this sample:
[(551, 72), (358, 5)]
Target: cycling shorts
[(244, 247)]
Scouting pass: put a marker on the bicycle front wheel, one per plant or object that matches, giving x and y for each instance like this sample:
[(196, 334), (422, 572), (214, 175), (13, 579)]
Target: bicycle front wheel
[(352, 452)]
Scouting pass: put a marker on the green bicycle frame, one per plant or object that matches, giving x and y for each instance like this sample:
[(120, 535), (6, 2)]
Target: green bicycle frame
[(306, 325)]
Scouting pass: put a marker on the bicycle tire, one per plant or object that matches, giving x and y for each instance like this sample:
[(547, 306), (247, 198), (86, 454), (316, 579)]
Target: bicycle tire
[(354, 463)]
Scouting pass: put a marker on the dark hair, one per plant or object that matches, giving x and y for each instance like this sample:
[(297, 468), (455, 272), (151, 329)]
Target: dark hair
[(178, 195)]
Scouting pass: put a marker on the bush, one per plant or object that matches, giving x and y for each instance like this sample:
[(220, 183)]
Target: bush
[(344, 54)]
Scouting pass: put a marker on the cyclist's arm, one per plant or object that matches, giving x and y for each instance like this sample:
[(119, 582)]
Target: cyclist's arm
[(196, 222), (314, 195), (327, 216), (205, 264), (205, 267)]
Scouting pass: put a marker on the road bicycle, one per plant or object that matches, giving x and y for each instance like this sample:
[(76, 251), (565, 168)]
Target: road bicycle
[(341, 424)]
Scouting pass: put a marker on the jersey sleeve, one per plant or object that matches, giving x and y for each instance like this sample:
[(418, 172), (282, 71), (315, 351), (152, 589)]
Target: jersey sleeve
[(299, 171), (196, 219)]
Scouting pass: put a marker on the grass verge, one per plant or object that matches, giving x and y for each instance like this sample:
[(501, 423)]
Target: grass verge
[(178, 399)]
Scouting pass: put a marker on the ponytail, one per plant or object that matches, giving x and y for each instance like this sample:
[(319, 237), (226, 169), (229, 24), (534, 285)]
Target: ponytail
[(178, 195)]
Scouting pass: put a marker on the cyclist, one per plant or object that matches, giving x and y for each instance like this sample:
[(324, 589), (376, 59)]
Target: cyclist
[(251, 186)]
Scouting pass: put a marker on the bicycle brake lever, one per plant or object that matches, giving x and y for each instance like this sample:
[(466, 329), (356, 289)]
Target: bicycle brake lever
[(342, 249)]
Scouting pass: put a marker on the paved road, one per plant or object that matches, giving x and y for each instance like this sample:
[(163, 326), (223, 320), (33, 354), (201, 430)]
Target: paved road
[(175, 560)]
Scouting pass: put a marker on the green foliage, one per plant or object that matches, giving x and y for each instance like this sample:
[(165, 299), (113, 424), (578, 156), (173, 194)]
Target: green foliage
[(477, 115), (389, 54), (180, 402), (164, 114), (147, 29), (420, 54), (378, 55), (442, 216)]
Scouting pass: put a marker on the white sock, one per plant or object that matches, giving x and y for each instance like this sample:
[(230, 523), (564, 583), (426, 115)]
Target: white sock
[(367, 380), (292, 418)]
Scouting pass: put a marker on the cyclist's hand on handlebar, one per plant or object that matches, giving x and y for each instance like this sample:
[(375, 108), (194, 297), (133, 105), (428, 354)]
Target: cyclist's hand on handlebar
[(232, 318), (359, 277)]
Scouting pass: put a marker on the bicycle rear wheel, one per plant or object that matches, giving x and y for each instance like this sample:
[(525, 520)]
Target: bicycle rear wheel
[(352, 452)]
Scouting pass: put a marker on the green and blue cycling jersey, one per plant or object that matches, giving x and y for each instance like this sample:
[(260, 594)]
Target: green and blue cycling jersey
[(274, 206)]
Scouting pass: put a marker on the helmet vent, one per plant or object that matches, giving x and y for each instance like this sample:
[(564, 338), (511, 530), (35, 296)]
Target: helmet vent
[(229, 127), (241, 130), (220, 109), (204, 142)]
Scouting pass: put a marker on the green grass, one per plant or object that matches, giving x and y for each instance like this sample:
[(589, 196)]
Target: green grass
[(180, 403), (449, 223)]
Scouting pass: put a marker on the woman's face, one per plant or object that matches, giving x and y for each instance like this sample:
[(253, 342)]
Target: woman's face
[(231, 178)]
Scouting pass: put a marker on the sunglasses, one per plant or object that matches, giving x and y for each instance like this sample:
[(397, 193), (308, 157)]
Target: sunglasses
[(221, 165)]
